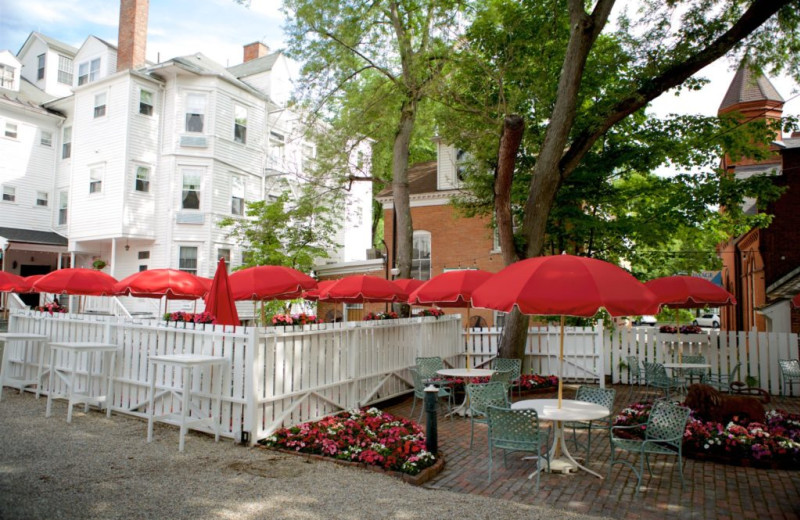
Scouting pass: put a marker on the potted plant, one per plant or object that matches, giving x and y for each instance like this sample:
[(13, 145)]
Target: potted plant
[(99, 264)]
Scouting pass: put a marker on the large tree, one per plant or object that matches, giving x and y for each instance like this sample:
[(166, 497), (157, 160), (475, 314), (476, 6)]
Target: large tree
[(393, 52), (572, 80)]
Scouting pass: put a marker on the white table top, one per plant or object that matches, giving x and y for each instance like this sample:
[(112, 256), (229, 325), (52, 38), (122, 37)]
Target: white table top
[(188, 359), (686, 365), (570, 410), (79, 346), (465, 372), (11, 336)]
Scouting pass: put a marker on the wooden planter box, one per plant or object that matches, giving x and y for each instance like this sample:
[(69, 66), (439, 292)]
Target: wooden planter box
[(416, 480)]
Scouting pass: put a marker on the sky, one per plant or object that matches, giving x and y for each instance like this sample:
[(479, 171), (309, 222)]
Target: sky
[(220, 28)]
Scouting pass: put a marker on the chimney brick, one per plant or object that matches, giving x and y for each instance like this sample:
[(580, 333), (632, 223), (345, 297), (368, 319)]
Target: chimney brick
[(255, 50), (132, 34)]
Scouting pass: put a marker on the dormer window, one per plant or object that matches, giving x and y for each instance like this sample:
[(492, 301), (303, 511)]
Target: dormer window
[(88, 71), (6, 76), (40, 60), (64, 70)]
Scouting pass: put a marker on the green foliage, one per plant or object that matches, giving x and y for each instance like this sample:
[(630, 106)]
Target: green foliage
[(290, 231)]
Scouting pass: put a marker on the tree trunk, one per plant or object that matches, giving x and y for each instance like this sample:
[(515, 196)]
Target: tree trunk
[(513, 129), (402, 207)]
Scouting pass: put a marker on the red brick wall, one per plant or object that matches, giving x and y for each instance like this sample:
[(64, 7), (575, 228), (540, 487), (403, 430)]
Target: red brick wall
[(132, 34), (780, 242), (255, 50)]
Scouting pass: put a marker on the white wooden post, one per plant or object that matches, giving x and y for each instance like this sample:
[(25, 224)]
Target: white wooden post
[(600, 352), (251, 377)]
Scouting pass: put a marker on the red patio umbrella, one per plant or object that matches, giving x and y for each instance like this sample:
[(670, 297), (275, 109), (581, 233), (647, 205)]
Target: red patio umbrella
[(77, 280), (26, 284), (362, 288), (565, 285), (408, 285), (9, 281), (270, 282), (313, 294), (157, 283), (219, 300), (688, 292), (451, 289)]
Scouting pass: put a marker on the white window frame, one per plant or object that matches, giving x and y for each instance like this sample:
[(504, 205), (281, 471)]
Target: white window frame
[(238, 189), (66, 142), (141, 178), (42, 199), (417, 266), (41, 64), (63, 207), (46, 138), (225, 252), (7, 75), (146, 107), (196, 106), (240, 123), (96, 174), (277, 150), (188, 176), (88, 71), (100, 104), (9, 193), (185, 259), (65, 69), (12, 130)]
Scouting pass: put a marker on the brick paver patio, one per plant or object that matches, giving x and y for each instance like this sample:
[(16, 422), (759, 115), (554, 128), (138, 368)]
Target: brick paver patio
[(713, 491)]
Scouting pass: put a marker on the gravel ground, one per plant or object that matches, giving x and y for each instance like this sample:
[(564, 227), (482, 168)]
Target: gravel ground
[(104, 468)]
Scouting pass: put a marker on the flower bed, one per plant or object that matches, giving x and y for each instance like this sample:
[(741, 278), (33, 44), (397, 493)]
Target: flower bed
[(775, 444), (373, 316), (436, 313), (528, 382), (684, 329), (188, 317), (279, 320), (369, 436)]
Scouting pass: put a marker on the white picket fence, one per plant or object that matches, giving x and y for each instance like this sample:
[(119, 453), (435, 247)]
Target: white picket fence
[(278, 376)]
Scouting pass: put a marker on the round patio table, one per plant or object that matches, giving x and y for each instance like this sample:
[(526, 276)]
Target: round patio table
[(571, 410), (467, 374)]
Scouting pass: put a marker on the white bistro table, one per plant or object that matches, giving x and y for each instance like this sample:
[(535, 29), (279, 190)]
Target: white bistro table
[(467, 374), (186, 363), (72, 351), (571, 410), (23, 340)]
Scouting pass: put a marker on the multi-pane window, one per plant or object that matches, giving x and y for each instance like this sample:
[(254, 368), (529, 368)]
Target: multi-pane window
[(66, 143), (195, 112), (142, 179), (88, 71), (190, 197), (187, 260), (64, 70), (237, 195), (96, 179), (100, 104), (240, 124), (146, 102), (421, 256), (143, 255), (226, 255), (46, 138), (11, 130), (62, 207), (42, 198), (40, 61), (276, 150), (6, 76), (9, 194)]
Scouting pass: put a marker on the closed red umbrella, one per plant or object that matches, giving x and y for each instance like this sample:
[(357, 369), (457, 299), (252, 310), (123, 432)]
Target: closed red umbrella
[(451, 289), (270, 282), (8, 281), (565, 285), (219, 300), (157, 283), (689, 292), (80, 281), (362, 288)]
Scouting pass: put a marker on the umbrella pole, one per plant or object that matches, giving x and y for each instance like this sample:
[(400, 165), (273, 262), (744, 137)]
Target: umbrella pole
[(680, 343), (468, 365), (561, 363), (254, 312)]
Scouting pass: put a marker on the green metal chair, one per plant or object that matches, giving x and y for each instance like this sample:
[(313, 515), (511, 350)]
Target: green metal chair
[(517, 430), (722, 382), (502, 376), (635, 375), (691, 374), (663, 436), (595, 395), (480, 397), (428, 366), (514, 366), (656, 376), (790, 373), (419, 393)]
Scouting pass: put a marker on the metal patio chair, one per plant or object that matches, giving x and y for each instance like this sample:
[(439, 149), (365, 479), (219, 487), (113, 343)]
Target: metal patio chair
[(517, 430), (656, 376), (514, 366), (419, 393), (722, 382), (480, 397), (790, 373), (592, 394)]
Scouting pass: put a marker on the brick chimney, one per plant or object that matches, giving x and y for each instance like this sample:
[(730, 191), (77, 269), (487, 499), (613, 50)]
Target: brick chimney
[(255, 50), (132, 34)]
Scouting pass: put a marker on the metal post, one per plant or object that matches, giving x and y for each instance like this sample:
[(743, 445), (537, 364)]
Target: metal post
[(431, 430)]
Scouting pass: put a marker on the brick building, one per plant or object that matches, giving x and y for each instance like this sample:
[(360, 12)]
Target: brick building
[(762, 266)]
